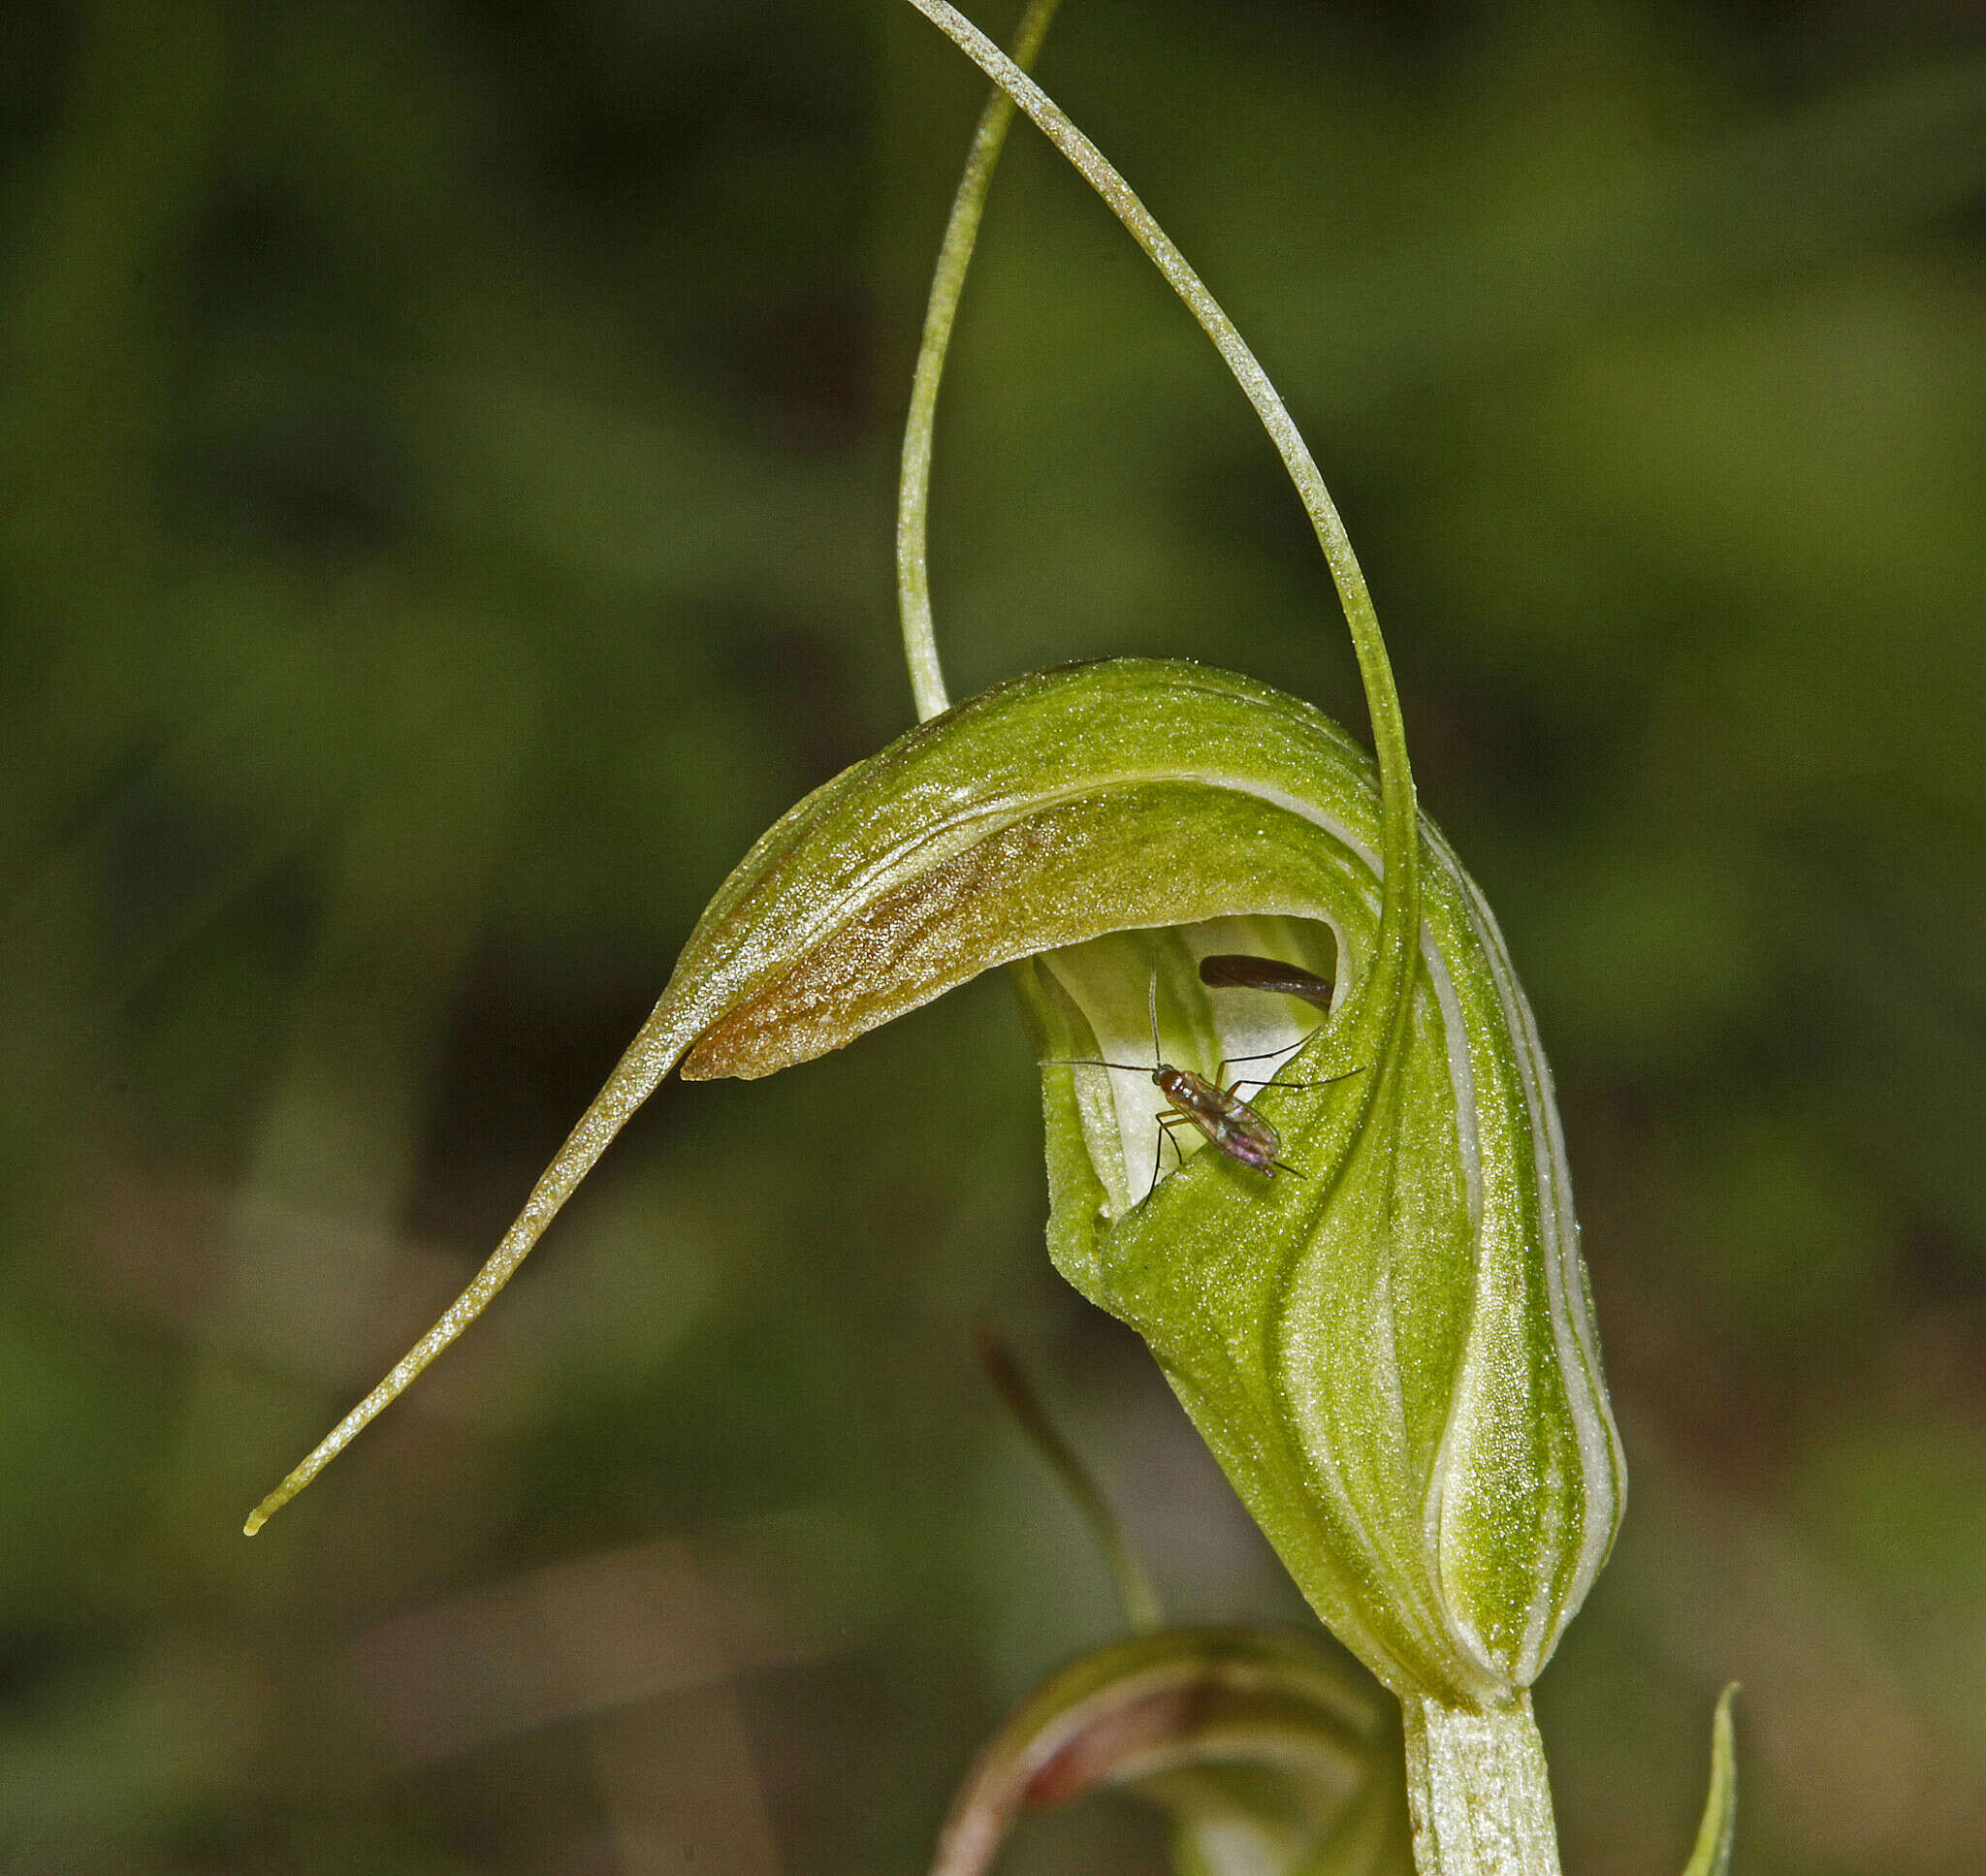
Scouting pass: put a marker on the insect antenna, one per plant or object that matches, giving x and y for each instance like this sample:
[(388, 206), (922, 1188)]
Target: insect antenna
[(1097, 1062), (1092, 1061)]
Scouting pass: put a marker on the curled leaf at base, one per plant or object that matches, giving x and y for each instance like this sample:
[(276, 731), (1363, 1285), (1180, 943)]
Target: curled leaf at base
[(1267, 1757), (1389, 1349)]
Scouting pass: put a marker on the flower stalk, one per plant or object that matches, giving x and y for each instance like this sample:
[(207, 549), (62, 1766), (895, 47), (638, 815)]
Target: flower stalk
[(940, 311), (1478, 1791)]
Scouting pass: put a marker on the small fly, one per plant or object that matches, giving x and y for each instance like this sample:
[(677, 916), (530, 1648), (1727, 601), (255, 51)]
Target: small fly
[(1228, 1123)]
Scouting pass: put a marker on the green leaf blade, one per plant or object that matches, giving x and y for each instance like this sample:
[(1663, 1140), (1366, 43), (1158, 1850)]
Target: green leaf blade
[(1716, 1834)]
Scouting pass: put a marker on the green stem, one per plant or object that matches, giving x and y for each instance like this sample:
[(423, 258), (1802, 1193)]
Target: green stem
[(1137, 1593), (1399, 840), (1477, 1791), (947, 283)]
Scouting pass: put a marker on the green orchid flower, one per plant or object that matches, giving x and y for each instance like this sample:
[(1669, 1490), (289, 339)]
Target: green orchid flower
[(1376, 1315)]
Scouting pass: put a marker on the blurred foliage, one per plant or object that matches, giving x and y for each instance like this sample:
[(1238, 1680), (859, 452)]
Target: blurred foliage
[(448, 456)]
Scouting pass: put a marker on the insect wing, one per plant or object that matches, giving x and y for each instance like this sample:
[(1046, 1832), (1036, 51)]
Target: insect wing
[(1249, 1138), (1226, 1121)]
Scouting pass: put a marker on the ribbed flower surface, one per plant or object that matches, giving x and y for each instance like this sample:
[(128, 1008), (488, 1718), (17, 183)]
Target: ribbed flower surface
[(1390, 1351), (1389, 1346)]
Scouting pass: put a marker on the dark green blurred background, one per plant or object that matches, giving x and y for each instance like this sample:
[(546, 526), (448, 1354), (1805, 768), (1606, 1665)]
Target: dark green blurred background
[(448, 464)]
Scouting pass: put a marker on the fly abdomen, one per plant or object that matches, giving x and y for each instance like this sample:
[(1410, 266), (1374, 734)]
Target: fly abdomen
[(1226, 1121)]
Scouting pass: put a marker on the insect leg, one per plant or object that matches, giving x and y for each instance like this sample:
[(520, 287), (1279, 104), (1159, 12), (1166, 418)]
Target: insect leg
[(1325, 1083), (1229, 1061), (1166, 1124)]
